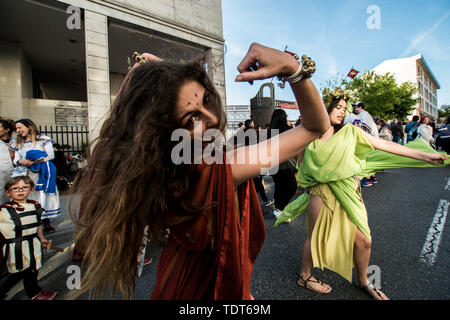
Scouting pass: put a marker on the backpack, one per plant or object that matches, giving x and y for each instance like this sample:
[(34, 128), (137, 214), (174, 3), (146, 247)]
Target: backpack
[(413, 130), (414, 134)]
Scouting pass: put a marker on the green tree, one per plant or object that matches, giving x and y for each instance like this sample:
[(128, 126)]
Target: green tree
[(382, 96), (444, 111)]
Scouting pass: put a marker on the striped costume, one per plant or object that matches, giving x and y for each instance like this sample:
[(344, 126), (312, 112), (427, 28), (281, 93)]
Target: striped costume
[(21, 247)]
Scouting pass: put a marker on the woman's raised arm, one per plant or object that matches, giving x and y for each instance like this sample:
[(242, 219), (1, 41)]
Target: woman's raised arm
[(262, 62), (395, 148)]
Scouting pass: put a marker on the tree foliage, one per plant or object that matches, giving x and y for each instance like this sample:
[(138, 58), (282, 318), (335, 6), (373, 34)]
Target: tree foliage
[(382, 96), (444, 111)]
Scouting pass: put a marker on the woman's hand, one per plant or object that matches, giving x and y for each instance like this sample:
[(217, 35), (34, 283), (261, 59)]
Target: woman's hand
[(435, 158), (262, 62), (25, 163), (147, 57), (151, 57)]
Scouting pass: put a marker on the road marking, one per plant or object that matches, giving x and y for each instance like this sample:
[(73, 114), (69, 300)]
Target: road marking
[(447, 186), (431, 245)]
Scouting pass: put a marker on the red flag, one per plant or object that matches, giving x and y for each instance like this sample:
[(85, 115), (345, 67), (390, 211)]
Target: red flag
[(352, 73)]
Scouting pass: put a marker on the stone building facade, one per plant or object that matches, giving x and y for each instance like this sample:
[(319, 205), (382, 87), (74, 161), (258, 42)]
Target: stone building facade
[(62, 61)]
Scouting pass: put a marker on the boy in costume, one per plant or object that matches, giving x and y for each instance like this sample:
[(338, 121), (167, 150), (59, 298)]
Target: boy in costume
[(22, 236)]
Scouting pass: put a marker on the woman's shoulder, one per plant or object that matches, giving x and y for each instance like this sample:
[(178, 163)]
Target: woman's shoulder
[(44, 139)]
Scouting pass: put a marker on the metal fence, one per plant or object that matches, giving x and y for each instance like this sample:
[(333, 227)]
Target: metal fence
[(73, 140)]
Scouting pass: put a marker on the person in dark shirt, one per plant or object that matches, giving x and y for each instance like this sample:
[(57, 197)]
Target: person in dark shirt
[(398, 134), (61, 167)]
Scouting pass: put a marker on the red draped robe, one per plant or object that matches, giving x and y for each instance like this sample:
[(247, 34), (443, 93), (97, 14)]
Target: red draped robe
[(195, 264)]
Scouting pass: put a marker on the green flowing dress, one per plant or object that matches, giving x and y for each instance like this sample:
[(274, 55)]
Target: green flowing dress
[(331, 170)]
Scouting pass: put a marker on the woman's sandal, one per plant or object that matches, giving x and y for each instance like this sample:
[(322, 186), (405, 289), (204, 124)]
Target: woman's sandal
[(372, 291), (305, 284)]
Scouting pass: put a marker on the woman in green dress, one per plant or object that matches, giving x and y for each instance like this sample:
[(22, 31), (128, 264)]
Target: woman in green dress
[(338, 232)]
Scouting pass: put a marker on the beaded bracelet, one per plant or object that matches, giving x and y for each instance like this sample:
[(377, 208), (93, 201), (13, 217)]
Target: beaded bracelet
[(306, 68), (137, 59)]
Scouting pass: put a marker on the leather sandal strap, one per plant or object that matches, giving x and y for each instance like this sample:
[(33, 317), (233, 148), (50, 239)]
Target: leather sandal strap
[(369, 287), (305, 282)]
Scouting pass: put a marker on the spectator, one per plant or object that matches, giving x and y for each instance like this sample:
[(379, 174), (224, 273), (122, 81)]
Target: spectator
[(425, 131), (6, 155), (443, 136), (411, 128), (385, 131), (258, 181), (398, 134), (23, 252), (7, 134), (284, 179), (352, 119), (34, 153), (235, 138), (367, 122), (60, 163), (369, 126)]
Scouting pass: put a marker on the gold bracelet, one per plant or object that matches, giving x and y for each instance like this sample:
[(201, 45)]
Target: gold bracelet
[(137, 59), (305, 70)]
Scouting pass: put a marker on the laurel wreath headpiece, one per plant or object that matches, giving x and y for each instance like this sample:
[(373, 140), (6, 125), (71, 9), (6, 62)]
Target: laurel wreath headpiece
[(338, 93)]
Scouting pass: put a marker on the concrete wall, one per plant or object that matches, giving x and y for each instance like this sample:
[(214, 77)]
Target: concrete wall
[(197, 21), (10, 81), (199, 15), (42, 111), (97, 69), (26, 77), (115, 80)]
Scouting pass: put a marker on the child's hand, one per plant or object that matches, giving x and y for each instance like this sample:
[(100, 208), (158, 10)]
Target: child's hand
[(44, 243)]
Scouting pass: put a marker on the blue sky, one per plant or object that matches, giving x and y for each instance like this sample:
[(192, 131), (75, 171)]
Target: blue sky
[(336, 36)]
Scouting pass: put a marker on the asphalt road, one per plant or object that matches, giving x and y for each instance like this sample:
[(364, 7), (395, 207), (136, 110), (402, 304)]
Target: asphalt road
[(401, 208)]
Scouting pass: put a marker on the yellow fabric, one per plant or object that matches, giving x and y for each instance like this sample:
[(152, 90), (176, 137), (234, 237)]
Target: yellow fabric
[(336, 162), (333, 236)]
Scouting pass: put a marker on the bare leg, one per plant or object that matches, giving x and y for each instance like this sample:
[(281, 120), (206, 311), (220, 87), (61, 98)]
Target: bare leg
[(315, 204), (361, 254)]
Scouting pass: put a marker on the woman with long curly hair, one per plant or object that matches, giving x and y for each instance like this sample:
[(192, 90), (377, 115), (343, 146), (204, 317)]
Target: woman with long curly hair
[(211, 209)]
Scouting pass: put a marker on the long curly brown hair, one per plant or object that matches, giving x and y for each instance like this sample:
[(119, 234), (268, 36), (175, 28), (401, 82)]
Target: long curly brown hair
[(130, 181)]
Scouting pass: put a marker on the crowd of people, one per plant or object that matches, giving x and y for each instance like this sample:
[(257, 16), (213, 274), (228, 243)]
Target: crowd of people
[(401, 132), (208, 214)]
